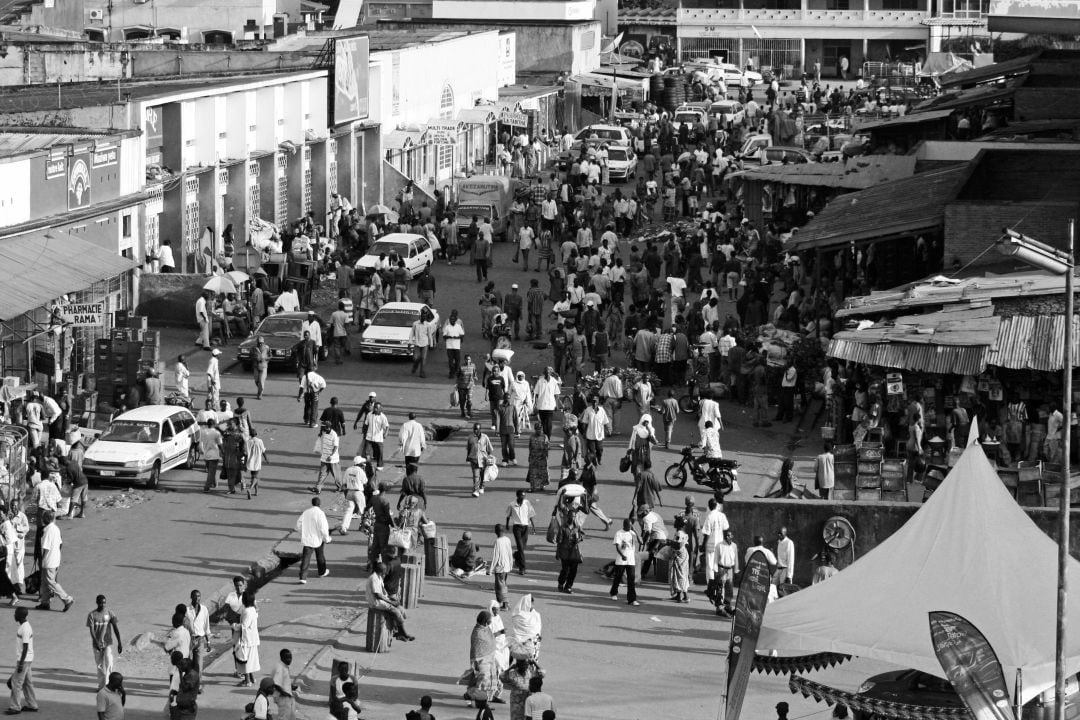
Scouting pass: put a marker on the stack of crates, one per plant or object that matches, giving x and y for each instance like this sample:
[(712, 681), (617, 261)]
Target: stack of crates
[(894, 480), (843, 472), (868, 471), (121, 358)]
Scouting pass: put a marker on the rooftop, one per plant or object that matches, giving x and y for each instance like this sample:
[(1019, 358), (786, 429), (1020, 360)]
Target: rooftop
[(92, 94), (23, 141), (856, 173), (379, 39)]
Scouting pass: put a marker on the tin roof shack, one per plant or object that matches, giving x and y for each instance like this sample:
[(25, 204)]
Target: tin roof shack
[(1033, 191)]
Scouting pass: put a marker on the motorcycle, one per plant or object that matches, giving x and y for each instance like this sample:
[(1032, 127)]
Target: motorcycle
[(719, 476)]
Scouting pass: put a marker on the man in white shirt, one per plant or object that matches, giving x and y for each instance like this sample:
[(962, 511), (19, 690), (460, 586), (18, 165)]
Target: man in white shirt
[(311, 385), (653, 535), (452, 332), (355, 502), (678, 289), (313, 327), (502, 562), (377, 427), (546, 393), (314, 535), (785, 558), (759, 545), (519, 518), (377, 599), (712, 531), (597, 423), (197, 622), (422, 338), (51, 542), (710, 441), (413, 441), (23, 696), (202, 317), (727, 564), (287, 301), (625, 542), (611, 391)]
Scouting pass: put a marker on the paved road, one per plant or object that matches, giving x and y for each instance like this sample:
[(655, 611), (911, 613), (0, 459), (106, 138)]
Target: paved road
[(147, 550)]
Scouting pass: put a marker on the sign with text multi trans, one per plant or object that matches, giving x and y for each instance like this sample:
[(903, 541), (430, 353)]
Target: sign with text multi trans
[(349, 95), (83, 315)]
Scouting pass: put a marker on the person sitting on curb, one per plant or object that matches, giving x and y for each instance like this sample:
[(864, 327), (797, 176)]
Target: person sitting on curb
[(466, 560)]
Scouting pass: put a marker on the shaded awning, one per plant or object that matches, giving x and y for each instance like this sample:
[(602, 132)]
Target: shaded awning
[(904, 120), (1034, 342), (476, 116), (35, 270), (403, 139), (872, 706)]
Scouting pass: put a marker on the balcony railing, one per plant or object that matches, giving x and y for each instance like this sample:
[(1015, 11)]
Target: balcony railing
[(840, 18)]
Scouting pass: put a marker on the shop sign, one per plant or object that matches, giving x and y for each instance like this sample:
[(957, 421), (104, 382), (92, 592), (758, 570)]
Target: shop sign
[(442, 134), (894, 384), (83, 314), (78, 184), (55, 167), (506, 73), (153, 127), (105, 155), (514, 119)]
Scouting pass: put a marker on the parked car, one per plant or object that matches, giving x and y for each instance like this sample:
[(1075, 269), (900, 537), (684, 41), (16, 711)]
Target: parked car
[(608, 133), (690, 114), (143, 443), (281, 332), (386, 334), (784, 155), (622, 162), (412, 248), (918, 688)]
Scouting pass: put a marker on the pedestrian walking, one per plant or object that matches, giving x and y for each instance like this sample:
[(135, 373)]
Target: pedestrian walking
[(51, 542), (77, 479), (213, 378), (256, 455), (626, 546), (260, 364), (183, 375), (452, 332), (412, 486), (339, 333), (306, 354), (13, 531), (202, 317), (21, 682), (104, 628), (463, 384), (314, 536), (534, 307), (597, 425), (478, 453), (546, 392), (335, 417), (378, 425), (210, 445), (642, 438), (355, 503), (311, 386), (502, 562), (285, 687), (328, 446), (537, 475), (519, 518), (505, 423), (383, 518), (197, 622), (233, 455), (567, 548), (669, 414), (422, 339), (412, 439)]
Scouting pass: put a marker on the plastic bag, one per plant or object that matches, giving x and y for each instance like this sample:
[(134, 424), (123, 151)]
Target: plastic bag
[(400, 538), (454, 398), (491, 473)]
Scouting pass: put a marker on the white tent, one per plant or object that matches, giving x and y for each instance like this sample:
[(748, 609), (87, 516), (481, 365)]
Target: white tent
[(970, 550)]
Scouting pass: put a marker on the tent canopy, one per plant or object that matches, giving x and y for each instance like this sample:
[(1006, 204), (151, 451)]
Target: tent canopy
[(970, 550)]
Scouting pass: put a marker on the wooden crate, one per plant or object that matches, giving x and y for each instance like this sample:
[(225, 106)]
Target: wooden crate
[(379, 636), (868, 467), (844, 452), (870, 451), (436, 554), (410, 584)]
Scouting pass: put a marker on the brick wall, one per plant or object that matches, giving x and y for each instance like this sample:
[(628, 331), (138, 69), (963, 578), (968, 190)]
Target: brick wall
[(971, 227), (873, 523), (168, 300)]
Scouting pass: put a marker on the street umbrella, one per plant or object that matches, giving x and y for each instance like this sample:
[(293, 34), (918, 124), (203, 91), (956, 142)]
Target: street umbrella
[(238, 277), (220, 284), (572, 490), (379, 209)]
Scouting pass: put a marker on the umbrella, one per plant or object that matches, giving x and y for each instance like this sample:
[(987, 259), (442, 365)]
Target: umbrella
[(572, 490), (379, 209), (238, 276), (220, 285)]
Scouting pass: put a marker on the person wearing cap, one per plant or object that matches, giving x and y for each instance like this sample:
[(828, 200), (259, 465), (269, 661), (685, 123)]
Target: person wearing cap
[(355, 503), (377, 427), (327, 444), (513, 303), (653, 535), (213, 377), (361, 421), (306, 355)]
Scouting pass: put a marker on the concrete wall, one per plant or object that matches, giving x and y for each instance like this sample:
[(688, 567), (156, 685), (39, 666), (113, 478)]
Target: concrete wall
[(971, 226), (873, 523), (169, 299)]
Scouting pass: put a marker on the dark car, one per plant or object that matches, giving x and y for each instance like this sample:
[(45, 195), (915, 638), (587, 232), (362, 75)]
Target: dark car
[(918, 688), (281, 332)]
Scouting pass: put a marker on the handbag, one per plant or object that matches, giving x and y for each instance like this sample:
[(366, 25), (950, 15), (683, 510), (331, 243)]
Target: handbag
[(552, 534), (242, 652), (32, 582), (625, 462), (400, 538)]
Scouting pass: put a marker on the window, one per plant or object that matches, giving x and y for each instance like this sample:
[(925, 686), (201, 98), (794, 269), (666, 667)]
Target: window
[(837, 4), (95, 34), (446, 112), (217, 37), (125, 222), (899, 4), (166, 431)]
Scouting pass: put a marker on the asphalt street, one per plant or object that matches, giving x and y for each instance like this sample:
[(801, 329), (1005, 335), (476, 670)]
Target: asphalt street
[(146, 550)]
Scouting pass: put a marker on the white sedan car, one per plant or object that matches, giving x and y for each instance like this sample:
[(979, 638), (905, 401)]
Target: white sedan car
[(622, 162), (386, 334), (414, 249), (142, 443)]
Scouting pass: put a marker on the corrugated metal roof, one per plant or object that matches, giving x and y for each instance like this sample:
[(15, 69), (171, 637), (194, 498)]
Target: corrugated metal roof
[(35, 270), (914, 118), (943, 359), (857, 173), (945, 291), (911, 205), (400, 139), (16, 143), (647, 16), (982, 94), (1027, 342), (989, 72)]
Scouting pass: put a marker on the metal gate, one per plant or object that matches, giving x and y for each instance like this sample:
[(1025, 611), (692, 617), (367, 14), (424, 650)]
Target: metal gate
[(305, 200), (253, 190), (331, 164), (706, 48), (781, 53)]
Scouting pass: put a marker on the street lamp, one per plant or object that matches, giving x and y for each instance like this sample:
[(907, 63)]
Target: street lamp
[(1058, 262)]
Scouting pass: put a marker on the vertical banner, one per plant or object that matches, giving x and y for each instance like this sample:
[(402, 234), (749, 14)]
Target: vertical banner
[(971, 665), (749, 611)]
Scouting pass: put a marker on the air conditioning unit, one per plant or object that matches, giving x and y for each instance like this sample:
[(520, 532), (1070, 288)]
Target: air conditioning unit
[(98, 15)]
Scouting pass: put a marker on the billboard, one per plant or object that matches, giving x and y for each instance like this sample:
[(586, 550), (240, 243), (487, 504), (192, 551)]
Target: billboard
[(349, 94), (78, 182)]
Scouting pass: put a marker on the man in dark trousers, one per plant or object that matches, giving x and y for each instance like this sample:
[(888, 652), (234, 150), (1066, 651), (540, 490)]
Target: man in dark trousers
[(306, 354), (335, 417), (512, 305)]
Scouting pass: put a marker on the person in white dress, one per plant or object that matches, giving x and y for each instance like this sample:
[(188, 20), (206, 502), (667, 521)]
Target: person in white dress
[(710, 411), (182, 375), (246, 647)]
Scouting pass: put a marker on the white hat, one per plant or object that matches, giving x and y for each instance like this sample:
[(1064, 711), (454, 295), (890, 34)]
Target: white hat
[(215, 352), (372, 394), (359, 460), (590, 304), (514, 286)]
